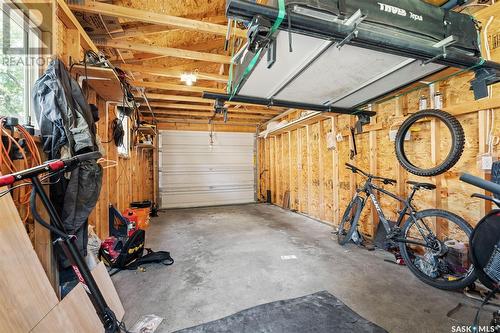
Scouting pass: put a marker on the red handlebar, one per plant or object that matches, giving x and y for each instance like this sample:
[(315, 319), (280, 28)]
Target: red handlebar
[(7, 180), (50, 166)]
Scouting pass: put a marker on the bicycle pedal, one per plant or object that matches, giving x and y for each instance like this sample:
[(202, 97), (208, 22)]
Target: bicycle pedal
[(369, 247), (394, 233)]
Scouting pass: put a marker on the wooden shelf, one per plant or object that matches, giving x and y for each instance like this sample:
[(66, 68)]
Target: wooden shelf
[(145, 146), (103, 80), (301, 122), (147, 130)]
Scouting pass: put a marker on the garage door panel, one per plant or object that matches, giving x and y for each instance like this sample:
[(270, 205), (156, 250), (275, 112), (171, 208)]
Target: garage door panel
[(193, 174), (211, 198), (203, 138), (205, 159), (169, 180), (216, 168), (205, 148)]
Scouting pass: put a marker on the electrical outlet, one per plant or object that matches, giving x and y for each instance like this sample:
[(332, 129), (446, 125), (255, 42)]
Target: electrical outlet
[(331, 142), (393, 133), (486, 162)]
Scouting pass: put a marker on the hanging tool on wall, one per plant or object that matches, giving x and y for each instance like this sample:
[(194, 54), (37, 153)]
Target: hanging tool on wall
[(354, 149)]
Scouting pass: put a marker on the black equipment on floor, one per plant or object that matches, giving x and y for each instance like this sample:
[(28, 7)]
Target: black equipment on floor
[(495, 176), (124, 249), (485, 245)]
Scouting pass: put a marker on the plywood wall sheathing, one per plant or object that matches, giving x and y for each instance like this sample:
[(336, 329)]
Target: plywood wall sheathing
[(321, 187)]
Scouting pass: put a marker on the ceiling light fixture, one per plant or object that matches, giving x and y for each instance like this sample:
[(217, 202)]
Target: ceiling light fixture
[(188, 78)]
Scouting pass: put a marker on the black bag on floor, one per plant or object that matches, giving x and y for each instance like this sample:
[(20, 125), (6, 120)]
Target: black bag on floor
[(131, 254), (129, 251), (152, 257)]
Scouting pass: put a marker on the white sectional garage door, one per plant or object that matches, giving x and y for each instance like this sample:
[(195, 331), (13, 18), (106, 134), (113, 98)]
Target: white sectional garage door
[(192, 174)]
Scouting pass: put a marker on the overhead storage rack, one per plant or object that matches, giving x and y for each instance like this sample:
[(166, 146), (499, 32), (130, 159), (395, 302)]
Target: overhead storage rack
[(337, 55)]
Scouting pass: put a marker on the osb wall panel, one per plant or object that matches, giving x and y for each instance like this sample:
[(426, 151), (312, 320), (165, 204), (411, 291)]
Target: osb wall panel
[(321, 187), (294, 171), (311, 170), (130, 179)]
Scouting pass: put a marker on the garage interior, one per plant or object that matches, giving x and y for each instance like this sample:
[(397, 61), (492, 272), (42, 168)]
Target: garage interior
[(220, 133)]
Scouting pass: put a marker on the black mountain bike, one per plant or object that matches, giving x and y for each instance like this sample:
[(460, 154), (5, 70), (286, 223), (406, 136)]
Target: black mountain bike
[(432, 242)]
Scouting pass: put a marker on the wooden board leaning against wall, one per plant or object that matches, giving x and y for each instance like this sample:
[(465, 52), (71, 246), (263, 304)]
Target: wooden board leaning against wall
[(298, 160), (131, 179)]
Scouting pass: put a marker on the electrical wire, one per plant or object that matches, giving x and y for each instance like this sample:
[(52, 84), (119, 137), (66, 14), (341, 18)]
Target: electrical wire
[(117, 132), (30, 157)]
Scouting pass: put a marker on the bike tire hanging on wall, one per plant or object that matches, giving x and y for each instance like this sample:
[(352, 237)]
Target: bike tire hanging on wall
[(457, 142)]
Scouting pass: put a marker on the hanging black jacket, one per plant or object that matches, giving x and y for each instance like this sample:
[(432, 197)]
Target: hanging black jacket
[(67, 128)]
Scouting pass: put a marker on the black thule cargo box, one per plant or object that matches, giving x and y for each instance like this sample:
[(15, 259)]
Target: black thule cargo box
[(343, 53)]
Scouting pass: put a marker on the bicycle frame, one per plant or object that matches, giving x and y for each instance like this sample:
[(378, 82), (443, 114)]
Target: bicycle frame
[(408, 210)]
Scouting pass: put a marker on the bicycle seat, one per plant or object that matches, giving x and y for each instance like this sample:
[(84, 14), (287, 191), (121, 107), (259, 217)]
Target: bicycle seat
[(427, 186)]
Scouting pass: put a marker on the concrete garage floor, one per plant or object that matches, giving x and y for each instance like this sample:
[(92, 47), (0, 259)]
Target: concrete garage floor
[(229, 258)]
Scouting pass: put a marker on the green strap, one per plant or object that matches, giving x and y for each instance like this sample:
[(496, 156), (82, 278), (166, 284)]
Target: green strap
[(277, 24), (255, 59), (230, 79)]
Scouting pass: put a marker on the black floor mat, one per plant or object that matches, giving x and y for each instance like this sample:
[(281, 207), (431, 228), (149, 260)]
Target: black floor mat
[(320, 312)]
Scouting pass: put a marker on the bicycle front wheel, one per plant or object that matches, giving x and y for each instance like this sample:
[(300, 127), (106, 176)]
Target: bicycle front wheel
[(350, 220), (435, 248)]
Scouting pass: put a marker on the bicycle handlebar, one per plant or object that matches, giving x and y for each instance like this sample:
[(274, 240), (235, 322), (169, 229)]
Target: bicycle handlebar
[(67, 163), (481, 183), (355, 169)]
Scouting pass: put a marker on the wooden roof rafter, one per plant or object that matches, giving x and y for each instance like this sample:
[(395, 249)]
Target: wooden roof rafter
[(207, 114), (163, 71), (174, 87), (205, 120), (237, 106), (152, 29), (165, 51), (263, 113), (152, 17)]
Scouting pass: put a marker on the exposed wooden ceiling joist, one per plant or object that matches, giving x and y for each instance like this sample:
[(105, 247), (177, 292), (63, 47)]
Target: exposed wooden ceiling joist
[(260, 113), (152, 29), (166, 121), (170, 86), (151, 17), (178, 98), (162, 71), (64, 13), (194, 99), (202, 120), (216, 43), (165, 51), (209, 114)]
